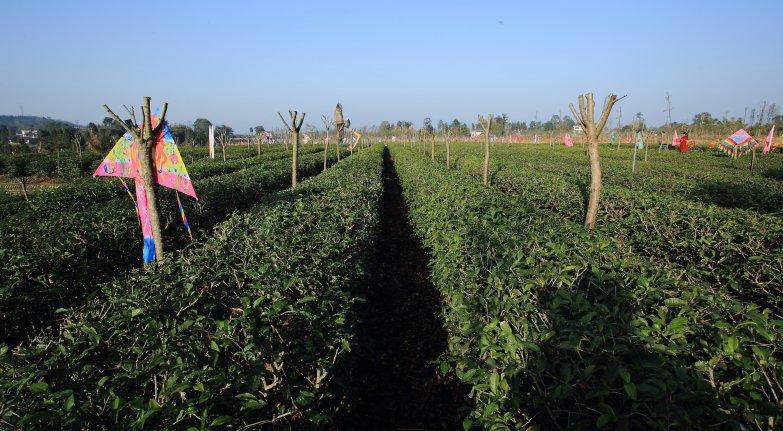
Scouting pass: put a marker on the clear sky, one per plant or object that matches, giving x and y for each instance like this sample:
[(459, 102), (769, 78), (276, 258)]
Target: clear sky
[(239, 62)]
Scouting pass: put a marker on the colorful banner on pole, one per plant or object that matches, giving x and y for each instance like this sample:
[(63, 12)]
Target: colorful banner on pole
[(639, 141), (211, 142), (675, 140), (738, 144), (568, 141), (768, 141)]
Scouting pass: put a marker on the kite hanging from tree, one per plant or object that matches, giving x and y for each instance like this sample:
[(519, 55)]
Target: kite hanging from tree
[(125, 160)]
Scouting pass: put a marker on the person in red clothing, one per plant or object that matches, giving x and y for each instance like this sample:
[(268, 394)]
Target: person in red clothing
[(684, 142)]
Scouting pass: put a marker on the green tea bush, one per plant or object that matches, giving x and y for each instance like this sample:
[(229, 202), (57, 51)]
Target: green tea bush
[(248, 331), (738, 248), (56, 255), (554, 326)]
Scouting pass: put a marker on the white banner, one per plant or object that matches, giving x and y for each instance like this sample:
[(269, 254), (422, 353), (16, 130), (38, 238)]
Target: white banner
[(211, 142)]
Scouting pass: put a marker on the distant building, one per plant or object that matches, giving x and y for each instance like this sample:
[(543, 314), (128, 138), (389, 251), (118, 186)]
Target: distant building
[(27, 134)]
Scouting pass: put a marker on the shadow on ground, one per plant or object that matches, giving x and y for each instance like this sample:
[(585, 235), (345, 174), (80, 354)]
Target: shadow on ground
[(400, 335)]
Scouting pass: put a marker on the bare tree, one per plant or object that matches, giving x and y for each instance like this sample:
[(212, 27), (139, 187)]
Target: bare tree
[(592, 130), (772, 112), (294, 128), (223, 139), (486, 125), (77, 140), (22, 180), (348, 126), (327, 124), (762, 110), (258, 137), (311, 133), (145, 139), (432, 149), (448, 150), (339, 127)]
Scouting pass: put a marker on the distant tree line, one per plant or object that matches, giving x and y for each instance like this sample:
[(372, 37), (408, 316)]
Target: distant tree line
[(756, 121), (53, 136), (501, 126)]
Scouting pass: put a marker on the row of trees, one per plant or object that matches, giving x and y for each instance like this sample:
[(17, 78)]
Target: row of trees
[(501, 126), (59, 136), (591, 128), (756, 121)]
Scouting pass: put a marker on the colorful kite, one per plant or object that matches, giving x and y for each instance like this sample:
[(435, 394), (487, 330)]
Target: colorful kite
[(170, 171), (356, 136), (738, 144)]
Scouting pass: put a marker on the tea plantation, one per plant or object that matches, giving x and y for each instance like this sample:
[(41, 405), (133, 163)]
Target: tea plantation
[(666, 316)]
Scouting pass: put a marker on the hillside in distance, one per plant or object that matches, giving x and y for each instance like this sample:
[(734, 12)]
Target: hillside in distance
[(31, 121)]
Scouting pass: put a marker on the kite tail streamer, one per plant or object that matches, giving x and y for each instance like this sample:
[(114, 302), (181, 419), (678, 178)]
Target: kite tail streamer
[(184, 219), (135, 205), (146, 225)]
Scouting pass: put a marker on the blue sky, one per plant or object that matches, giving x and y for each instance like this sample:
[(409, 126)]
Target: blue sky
[(239, 62)]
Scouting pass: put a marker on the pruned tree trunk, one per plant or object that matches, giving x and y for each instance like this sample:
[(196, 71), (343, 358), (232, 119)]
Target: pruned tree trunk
[(146, 141), (752, 158), (486, 125), (592, 130), (326, 149), (23, 185), (327, 124), (339, 127), (432, 150), (294, 129), (448, 153), (77, 144), (223, 138)]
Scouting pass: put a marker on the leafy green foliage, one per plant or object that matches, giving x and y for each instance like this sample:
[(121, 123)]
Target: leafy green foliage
[(247, 330), (56, 253), (738, 248), (556, 326)]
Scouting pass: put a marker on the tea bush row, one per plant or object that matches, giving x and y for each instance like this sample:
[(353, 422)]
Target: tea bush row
[(56, 259), (556, 326), (250, 330)]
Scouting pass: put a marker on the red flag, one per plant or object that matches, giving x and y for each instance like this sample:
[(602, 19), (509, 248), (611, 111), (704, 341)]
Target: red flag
[(768, 141), (675, 140), (568, 141)]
